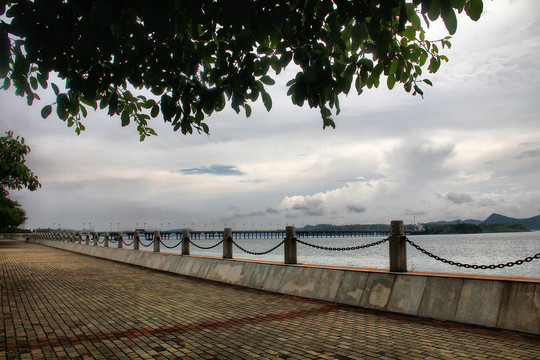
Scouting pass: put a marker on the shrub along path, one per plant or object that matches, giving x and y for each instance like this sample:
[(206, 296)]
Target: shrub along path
[(62, 305)]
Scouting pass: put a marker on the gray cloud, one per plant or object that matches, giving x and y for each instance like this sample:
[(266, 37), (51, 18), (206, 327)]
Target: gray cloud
[(312, 207), (225, 170), (459, 198), (413, 212), (528, 154), (357, 209), (486, 202)]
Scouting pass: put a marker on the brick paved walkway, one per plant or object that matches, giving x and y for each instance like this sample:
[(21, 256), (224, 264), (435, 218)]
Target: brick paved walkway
[(61, 305)]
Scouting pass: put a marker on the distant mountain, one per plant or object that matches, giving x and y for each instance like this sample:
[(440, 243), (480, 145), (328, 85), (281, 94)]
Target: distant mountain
[(468, 221), (532, 223)]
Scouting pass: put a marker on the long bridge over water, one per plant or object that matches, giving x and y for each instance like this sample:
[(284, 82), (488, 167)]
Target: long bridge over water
[(269, 234)]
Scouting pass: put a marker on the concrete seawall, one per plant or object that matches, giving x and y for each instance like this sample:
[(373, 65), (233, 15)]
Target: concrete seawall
[(505, 303)]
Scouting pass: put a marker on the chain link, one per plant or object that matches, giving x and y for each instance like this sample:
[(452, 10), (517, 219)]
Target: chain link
[(131, 243), (170, 247), (145, 245), (258, 253), (473, 266), (205, 247), (349, 248)]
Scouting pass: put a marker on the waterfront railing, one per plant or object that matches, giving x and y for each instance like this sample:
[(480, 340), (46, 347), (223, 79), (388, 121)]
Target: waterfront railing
[(396, 239)]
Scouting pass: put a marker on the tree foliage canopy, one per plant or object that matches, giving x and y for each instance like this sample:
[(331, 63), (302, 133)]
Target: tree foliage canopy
[(11, 213), (14, 175), (188, 59)]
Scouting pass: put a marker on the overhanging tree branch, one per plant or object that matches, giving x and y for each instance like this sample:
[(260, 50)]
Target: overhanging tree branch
[(196, 57)]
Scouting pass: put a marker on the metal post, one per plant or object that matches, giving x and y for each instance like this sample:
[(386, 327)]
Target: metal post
[(96, 238), (157, 241), (398, 247), (290, 245), (185, 242), (120, 240), (87, 238), (106, 240), (136, 240), (227, 243)]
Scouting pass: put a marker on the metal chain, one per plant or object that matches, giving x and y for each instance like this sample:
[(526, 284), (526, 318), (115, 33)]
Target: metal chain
[(131, 243), (258, 253), (205, 247), (473, 266), (100, 242), (143, 244), (170, 247), (320, 247)]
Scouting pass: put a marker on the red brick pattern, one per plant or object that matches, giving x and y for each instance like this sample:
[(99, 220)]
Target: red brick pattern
[(61, 305)]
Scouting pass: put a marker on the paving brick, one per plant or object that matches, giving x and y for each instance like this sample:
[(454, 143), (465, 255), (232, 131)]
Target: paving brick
[(56, 304)]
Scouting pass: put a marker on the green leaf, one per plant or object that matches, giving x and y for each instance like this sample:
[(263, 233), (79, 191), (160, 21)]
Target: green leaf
[(46, 111), (474, 9), (267, 100), (434, 10), (391, 81), (205, 128), (450, 21), (42, 81), (34, 83), (428, 82), (83, 110), (7, 83), (418, 90), (155, 111), (55, 89), (125, 118), (267, 80), (62, 103), (248, 110)]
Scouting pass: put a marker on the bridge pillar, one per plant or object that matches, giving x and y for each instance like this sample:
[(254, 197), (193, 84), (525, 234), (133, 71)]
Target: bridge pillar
[(136, 240), (398, 247), (290, 245), (227, 243), (120, 240), (185, 242), (157, 241)]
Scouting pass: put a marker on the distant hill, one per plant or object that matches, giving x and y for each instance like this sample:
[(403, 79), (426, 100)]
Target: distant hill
[(532, 223), (453, 222)]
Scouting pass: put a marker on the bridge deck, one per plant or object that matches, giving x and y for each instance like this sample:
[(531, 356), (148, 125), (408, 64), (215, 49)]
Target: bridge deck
[(57, 304)]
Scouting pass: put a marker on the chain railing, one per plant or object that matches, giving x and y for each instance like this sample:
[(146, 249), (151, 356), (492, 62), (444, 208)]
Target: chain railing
[(170, 247), (348, 248), (206, 247), (397, 247), (128, 244), (256, 252), (146, 245), (472, 266)]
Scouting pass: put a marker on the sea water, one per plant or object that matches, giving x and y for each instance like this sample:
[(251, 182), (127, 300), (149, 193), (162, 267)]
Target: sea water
[(479, 249)]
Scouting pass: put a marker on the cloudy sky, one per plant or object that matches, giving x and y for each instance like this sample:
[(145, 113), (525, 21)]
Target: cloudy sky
[(471, 147)]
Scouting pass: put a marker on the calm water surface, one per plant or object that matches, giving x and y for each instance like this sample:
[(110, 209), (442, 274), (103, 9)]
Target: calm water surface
[(480, 249)]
